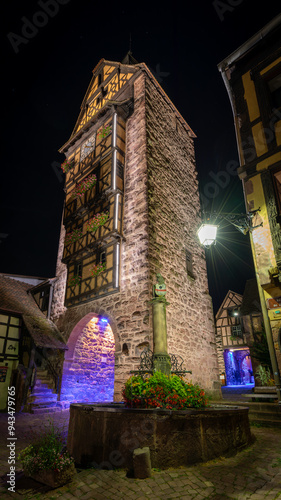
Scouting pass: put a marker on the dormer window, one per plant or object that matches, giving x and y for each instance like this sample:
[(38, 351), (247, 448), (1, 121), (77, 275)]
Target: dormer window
[(100, 79)]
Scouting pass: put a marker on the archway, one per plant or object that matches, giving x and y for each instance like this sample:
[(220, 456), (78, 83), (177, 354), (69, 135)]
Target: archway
[(88, 372), (238, 367)]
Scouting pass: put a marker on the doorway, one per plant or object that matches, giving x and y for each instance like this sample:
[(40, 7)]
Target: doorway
[(238, 367)]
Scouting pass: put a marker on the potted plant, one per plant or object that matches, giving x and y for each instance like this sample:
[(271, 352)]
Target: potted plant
[(46, 459), (98, 220), (104, 131), (67, 165), (75, 235), (84, 185), (264, 375), (98, 269), (75, 280)]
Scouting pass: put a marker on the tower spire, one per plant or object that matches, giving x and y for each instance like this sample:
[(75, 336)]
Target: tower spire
[(129, 59)]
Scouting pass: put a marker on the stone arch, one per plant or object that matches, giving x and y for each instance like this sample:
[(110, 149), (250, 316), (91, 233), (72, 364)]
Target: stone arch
[(88, 371)]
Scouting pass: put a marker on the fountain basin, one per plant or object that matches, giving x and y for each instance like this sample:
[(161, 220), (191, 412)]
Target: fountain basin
[(105, 435)]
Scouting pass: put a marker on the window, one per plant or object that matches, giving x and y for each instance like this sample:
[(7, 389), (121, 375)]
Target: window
[(236, 331), (189, 265), (102, 257), (9, 336), (44, 299), (274, 85), (100, 79), (78, 269)]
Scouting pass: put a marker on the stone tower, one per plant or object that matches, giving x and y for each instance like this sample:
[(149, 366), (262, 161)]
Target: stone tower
[(131, 210)]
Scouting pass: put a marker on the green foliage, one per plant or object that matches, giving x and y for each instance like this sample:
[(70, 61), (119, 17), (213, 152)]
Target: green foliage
[(264, 375), (46, 452), (162, 391)]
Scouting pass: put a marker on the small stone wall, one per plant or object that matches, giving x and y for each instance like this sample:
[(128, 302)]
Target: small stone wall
[(105, 436)]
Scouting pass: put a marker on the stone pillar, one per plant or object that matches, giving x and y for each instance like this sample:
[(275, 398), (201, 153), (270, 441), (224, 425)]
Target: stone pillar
[(161, 359)]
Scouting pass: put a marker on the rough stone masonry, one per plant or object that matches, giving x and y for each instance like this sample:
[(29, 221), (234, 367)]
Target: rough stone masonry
[(161, 217)]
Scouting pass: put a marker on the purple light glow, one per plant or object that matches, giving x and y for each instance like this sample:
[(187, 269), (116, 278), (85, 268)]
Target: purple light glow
[(89, 375), (238, 367)]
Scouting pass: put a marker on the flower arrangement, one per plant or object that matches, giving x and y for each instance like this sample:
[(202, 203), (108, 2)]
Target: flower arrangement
[(98, 269), (75, 235), (46, 453), (75, 280), (67, 165), (84, 185), (162, 391), (97, 221), (104, 131)]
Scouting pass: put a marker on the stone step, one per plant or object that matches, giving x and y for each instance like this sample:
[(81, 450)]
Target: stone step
[(265, 422), (43, 404), (43, 400), (265, 414), (44, 381), (262, 405), (52, 409), (41, 372), (42, 390)]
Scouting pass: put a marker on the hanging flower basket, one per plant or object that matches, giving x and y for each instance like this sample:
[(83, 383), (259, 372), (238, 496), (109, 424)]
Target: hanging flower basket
[(67, 165), (98, 269), (73, 236), (98, 220), (75, 280), (104, 131), (84, 185)]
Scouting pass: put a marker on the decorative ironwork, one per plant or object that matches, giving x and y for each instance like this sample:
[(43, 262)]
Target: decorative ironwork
[(147, 363), (146, 360)]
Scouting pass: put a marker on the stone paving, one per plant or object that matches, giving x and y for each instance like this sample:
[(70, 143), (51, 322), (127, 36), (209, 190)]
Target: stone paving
[(253, 473)]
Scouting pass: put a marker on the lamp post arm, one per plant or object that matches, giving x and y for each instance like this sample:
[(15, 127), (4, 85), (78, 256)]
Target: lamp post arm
[(242, 222)]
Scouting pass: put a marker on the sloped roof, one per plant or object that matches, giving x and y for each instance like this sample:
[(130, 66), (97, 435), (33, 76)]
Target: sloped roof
[(235, 300), (134, 68), (14, 298)]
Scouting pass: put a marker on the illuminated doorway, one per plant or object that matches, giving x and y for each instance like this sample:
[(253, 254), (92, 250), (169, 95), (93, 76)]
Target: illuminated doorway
[(88, 372), (238, 367)]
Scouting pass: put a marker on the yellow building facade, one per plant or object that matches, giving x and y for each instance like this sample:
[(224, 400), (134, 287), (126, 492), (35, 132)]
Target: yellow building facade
[(252, 76)]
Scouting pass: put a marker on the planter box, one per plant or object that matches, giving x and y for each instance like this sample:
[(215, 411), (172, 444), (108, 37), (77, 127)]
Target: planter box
[(53, 478)]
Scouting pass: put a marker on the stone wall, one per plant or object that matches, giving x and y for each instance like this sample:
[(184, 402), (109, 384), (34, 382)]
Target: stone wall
[(161, 216), (220, 350), (174, 217), (58, 307), (89, 375)]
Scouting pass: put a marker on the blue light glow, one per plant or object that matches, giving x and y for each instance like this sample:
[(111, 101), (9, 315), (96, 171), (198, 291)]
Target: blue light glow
[(89, 376)]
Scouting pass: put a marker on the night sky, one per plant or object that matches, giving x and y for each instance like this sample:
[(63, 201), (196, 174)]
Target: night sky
[(48, 60)]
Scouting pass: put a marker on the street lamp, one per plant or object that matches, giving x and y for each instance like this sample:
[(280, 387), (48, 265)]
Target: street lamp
[(207, 232), (243, 222)]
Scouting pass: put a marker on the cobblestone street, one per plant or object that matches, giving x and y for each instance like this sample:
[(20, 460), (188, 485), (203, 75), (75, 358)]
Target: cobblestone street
[(254, 473)]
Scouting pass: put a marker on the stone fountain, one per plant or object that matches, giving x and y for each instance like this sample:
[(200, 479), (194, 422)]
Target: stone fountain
[(106, 435)]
